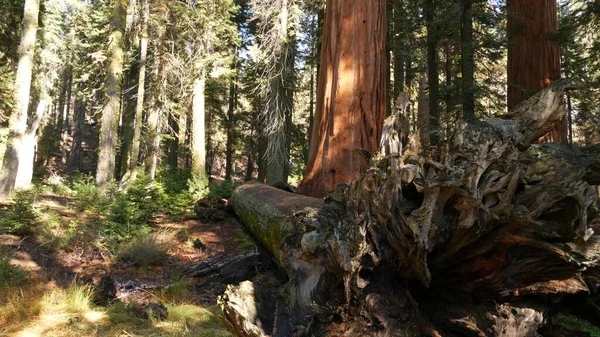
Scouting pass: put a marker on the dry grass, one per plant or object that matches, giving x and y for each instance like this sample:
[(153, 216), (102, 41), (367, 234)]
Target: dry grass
[(48, 310)]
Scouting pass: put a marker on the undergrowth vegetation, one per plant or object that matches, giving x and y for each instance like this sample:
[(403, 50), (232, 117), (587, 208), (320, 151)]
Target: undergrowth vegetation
[(120, 224), (49, 310)]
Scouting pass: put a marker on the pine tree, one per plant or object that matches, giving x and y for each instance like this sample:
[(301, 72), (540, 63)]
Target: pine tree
[(18, 159), (111, 112)]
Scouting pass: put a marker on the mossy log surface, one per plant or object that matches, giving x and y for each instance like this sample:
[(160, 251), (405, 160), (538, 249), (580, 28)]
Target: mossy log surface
[(484, 234)]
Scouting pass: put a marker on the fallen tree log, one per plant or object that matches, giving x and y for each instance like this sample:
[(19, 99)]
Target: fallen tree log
[(472, 237)]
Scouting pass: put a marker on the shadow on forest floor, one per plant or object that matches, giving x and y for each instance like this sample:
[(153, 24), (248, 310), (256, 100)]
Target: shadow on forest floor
[(48, 291)]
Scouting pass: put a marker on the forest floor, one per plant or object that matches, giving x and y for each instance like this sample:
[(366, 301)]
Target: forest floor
[(48, 286)]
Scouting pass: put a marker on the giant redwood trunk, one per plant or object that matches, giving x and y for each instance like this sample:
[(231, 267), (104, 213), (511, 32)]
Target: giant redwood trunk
[(533, 54), (487, 234), (351, 94)]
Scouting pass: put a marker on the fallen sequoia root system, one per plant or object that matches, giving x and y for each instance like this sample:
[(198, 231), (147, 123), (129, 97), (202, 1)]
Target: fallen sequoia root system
[(485, 234)]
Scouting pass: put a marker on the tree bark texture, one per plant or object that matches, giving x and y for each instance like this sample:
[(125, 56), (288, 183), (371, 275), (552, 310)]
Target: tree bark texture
[(351, 94), (198, 146), (533, 54), (429, 8), (139, 109), (468, 61), (280, 105), (230, 131), (111, 113), (21, 142), (483, 236)]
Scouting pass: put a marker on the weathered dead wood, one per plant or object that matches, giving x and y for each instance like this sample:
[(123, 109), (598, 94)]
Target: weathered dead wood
[(484, 216), (230, 270), (248, 309)]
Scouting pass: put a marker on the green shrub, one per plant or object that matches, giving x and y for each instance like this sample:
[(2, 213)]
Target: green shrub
[(20, 218), (144, 251), (148, 196), (87, 196), (174, 181), (10, 275), (222, 190), (181, 204), (62, 190), (125, 220)]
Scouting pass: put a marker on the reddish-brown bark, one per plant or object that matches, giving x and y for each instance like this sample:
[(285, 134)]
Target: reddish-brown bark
[(533, 56), (351, 94)]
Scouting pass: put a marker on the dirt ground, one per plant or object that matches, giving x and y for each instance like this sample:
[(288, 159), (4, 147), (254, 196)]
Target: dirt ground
[(190, 241)]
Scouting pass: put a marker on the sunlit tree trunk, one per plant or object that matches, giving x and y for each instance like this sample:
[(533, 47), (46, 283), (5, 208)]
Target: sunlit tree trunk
[(198, 145), (21, 141), (110, 114), (533, 56), (139, 109), (351, 94)]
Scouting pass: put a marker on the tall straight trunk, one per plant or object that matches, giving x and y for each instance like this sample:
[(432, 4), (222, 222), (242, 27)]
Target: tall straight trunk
[(183, 123), (173, 142), (159, 98), (432, 69), (153, 141), (351, 94), (139, 109), (398, 48), (311, 110), (261, 157), (21, 142), (230, 129), (110, 114), (198, 145), (388, 56), (279, 120), (65, 118), (423, 111), (533, 56), (126, 125), (468, 61), (75, 158)]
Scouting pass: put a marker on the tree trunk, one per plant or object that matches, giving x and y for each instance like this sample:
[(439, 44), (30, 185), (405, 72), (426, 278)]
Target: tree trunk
[(398, 47), (230, 128), (468, 61), (21, 143), (75, 158), (432, 71), (488, 235), (198, 146), (111, 112), (280, 105), (351, 94), (139, 109), (423, 111), (533, 55)]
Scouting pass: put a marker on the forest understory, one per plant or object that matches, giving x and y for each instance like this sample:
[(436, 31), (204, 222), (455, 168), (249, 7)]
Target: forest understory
[(291, 168), (61, 276)]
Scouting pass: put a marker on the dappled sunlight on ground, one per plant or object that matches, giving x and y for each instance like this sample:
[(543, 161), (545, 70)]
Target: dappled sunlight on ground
[(55, 298)]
